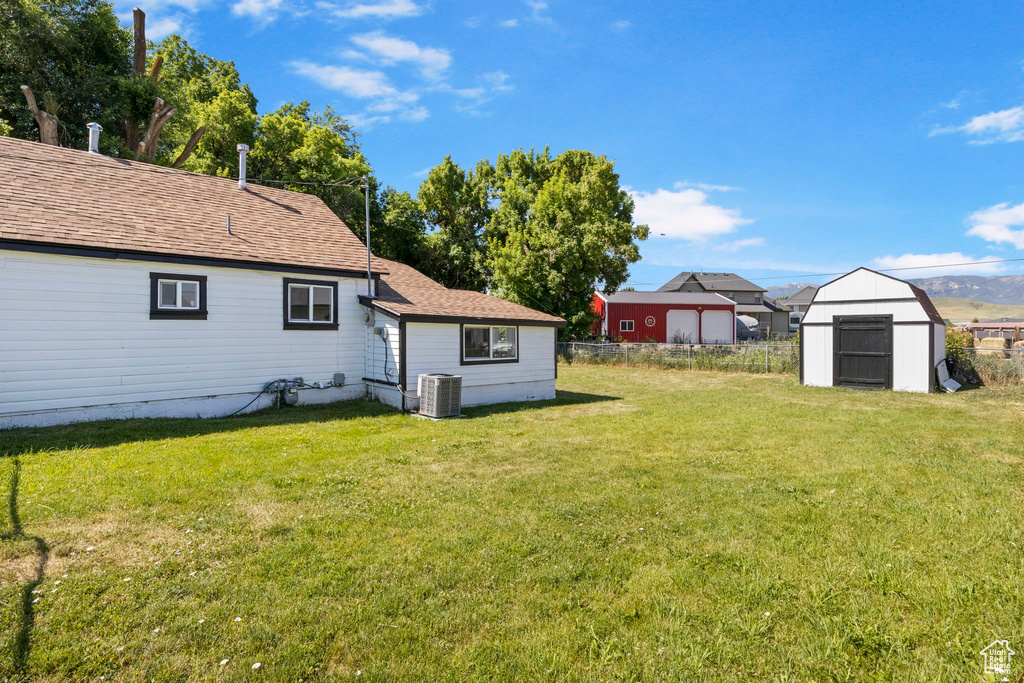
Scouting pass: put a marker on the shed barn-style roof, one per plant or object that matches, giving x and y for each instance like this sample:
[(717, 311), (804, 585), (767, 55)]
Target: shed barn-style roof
[(59, 197), (411, 296), (712, 282)]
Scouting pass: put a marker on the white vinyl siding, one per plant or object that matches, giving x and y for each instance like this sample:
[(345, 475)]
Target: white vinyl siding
[(434, 347), (77, 332)]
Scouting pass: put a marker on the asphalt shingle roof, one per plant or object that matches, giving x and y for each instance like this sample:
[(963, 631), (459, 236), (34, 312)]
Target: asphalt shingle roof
[(407, 293), (712, 282), (67, 197)]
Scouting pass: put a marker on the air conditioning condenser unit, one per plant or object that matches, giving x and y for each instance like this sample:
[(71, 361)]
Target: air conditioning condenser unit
[(440, 395)]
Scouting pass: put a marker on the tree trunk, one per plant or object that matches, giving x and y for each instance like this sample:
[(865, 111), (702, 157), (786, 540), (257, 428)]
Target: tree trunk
[(161, 114), (47, 124)]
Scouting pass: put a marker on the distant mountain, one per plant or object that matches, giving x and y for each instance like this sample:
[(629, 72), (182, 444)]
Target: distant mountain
[(997, 289), (792, 288)]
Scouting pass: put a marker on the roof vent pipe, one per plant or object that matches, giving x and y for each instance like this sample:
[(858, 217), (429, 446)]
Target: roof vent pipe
[(94, 137), (242, 150)]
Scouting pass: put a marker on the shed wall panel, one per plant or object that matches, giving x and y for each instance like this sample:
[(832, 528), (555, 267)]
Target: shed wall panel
[(901, 311), (817, 343)]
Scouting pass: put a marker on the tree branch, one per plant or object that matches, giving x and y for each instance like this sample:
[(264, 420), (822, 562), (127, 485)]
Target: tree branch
[(189, 147), (139, 63)]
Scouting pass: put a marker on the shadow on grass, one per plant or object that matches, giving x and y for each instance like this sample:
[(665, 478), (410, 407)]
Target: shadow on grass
[(23, 638), (22, 440), (562, 398)]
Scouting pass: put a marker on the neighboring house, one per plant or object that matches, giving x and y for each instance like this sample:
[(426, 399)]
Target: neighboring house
[(801, 300), (772, 317), (797, 305), (666, 317), (134, 290), (1003, 327), (867, 330)]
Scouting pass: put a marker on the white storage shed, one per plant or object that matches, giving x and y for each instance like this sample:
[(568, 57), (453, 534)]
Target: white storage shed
[(866, 330)]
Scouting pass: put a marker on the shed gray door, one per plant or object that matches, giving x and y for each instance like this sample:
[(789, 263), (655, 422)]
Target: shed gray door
[(862, 346)]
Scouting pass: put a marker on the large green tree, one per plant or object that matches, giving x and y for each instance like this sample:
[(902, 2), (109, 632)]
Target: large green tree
[(206, 94), (562, 227), (456, 205)]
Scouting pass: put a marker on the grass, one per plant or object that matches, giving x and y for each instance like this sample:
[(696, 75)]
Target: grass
[(966, 310), (646, 525)]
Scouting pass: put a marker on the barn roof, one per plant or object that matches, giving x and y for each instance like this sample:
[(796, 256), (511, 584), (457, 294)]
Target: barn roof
[(660, 297), (412, 296), (712, 282), (67, 198), (922, 297)]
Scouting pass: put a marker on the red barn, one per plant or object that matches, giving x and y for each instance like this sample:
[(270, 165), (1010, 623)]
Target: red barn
[(666, 317)]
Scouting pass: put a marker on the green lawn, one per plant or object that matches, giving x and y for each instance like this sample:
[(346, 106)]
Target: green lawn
[(646, 525)]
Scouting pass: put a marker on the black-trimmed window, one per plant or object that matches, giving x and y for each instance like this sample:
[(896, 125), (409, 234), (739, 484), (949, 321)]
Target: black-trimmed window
[(310, 304), (489, 344), (625, 326), (172, 295)]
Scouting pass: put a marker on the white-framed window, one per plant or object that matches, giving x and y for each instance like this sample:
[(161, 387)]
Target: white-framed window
[(757, 297), (490, 344), (732, 295), (177, 296), (310, 304), (625, 326)]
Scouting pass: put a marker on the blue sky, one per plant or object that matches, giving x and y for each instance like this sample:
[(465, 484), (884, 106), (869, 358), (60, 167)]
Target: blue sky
[(776, 140)]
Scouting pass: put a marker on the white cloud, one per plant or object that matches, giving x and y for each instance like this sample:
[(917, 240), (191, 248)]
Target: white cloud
[(415, 115), (685, 214), (926, 265), (431, 61), (165, 26), (537, 12), (707, 187), (497, 81), (996, 224), (998, 126), (353, 82), (622, 24), (384, 9), (736, 245), (509, 23), (257, 9)]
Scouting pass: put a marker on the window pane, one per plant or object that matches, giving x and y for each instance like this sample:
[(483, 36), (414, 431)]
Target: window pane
[(298, 302), (503, 342), (322, 303), (476, 343), (168, 294), (189, 294)]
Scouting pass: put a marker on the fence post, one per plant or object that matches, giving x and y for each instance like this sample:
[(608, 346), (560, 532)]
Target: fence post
[(627, 355), (766, 359), (688, 348)]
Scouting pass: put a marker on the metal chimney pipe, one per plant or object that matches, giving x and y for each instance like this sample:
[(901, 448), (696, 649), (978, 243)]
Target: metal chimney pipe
[(94, 137), (242, 150)]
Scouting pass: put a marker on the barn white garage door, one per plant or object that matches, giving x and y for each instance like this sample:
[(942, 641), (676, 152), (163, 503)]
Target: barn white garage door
[(717, 327), (681, 325)]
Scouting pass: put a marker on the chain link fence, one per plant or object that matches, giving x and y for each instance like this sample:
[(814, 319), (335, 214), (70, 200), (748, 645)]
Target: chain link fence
[(756, 358), (990, 367)]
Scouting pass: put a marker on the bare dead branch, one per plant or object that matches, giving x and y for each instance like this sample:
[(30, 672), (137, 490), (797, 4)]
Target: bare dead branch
[(139, 64)]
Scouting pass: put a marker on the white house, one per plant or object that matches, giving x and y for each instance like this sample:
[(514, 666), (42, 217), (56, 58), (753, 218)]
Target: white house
[(133, 290), (867, 330)]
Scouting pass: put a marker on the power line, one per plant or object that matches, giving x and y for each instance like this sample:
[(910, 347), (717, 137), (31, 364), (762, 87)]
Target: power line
[(837, 274)]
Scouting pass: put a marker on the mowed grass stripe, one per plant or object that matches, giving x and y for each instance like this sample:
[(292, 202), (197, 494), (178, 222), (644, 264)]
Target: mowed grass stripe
[(646, 525)]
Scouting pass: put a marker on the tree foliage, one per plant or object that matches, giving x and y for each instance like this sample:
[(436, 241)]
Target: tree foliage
[(563, 227), (76, 57), (455, 204)]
